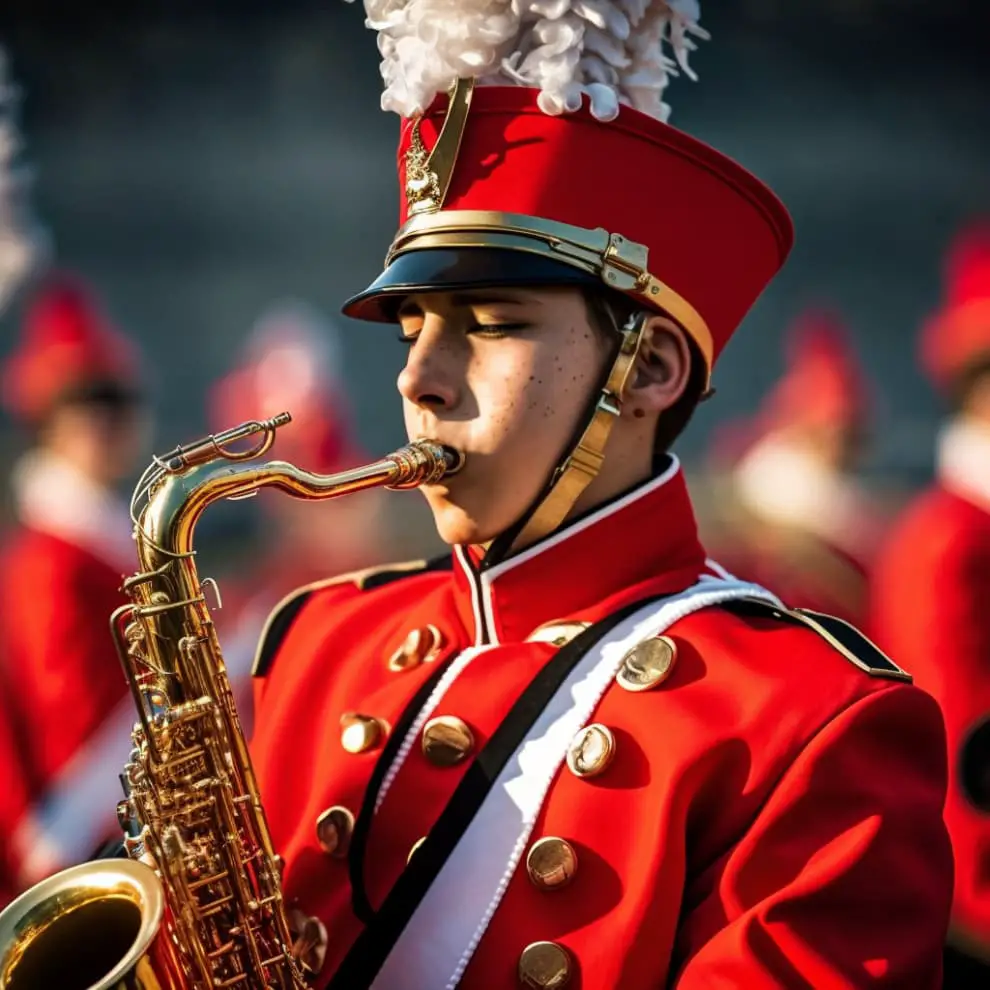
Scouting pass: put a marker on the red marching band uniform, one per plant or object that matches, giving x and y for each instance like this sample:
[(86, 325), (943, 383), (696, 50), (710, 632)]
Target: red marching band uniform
[(580, 755), (932, 583), (60, 576), (787, 509), (289, 364)]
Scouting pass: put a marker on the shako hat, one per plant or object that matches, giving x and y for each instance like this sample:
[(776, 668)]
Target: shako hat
[(957, 335), (534, 150)]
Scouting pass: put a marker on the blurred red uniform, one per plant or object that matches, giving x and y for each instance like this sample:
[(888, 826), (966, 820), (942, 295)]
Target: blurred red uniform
[(73, 382), (789, 513), (931, 592), (291, 363)]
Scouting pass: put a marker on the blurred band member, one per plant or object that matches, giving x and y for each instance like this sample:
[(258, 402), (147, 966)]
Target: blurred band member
[(292, 363), (931, 595), (73, 384), (794, 518)]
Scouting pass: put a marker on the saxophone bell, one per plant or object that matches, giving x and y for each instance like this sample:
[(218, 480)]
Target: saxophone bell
[(208, 910), (97, 926)]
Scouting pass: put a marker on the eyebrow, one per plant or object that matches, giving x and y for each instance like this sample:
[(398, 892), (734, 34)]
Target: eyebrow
[(466, 299)]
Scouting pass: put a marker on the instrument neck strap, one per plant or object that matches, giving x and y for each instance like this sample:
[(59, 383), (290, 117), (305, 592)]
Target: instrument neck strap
[(582, 463)]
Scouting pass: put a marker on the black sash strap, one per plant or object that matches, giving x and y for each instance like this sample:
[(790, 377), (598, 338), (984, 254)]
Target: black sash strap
[(372, 947)]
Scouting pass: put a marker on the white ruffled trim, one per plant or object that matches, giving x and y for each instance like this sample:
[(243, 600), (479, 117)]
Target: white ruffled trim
[(24, 244), (612, 51)]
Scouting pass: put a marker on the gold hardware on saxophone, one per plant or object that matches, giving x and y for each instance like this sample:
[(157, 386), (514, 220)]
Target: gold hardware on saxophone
[(199, 904)]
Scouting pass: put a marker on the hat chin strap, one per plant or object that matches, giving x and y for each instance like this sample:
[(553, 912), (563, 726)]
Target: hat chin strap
[(583, 462)]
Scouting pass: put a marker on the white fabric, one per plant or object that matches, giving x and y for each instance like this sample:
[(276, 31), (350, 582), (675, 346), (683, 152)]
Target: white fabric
[(482, 585), (783, 483), (52, 496), (78, 811), (477, 873), (963, 460), (612, 51)]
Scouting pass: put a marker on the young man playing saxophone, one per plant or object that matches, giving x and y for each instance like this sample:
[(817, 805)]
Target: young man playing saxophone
[(575, 752)]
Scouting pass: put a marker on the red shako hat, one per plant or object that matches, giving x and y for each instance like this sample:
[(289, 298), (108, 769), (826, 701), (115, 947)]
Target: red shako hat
[(957, 335), (572, 177), (68, 348), (291, 363), (823, 385)]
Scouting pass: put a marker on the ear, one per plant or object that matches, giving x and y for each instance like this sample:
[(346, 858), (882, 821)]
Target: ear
[(662, 369)]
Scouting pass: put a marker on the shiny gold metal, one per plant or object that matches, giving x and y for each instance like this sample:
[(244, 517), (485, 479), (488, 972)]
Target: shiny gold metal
[(551, 863), (557, 633), (422, 645), (447, 740), (428, 173), (359, 733), (647, 664), (620, 263), (415, 846), (212, 908), (591, 750), (334, 828), (545, 966), (92, 927)]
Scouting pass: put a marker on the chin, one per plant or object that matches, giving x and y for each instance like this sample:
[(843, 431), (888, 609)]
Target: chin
[(457, 524)]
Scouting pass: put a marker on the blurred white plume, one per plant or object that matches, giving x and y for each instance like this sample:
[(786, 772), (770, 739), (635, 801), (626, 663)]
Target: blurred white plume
[(612, 51), (25, 245)]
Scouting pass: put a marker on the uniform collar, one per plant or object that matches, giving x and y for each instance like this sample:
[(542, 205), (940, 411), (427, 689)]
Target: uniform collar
[(647, 534), (963, 461)]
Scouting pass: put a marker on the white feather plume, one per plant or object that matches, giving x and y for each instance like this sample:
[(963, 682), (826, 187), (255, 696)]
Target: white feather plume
[(24, 244), (612, 51)]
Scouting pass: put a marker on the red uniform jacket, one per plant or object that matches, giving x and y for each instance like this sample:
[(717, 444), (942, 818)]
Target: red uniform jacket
[(771, 817), (931, 611), (13, 795), (58, 659)]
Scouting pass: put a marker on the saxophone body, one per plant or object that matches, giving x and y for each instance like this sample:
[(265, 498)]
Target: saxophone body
[(199, 903)]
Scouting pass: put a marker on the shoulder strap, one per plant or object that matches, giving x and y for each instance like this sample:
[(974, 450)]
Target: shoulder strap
[(839, 634), (284, 614)]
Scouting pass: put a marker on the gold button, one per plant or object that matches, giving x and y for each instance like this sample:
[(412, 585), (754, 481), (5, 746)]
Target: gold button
[(591, 750), (416, 845), (545, 965), (359, 733), (446, 740), (333, 830), (557, 633), (551, 863), (647, 664), (420, 646)]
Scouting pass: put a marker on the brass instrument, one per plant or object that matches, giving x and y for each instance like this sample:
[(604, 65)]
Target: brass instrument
[(199, 904)]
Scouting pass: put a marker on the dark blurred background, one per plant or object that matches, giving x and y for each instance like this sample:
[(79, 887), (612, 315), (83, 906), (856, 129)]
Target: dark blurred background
[(198, 159)]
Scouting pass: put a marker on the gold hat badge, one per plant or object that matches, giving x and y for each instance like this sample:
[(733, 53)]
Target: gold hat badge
[(428, 173)]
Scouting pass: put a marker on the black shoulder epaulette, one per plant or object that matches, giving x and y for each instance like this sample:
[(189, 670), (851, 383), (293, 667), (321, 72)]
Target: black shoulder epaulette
[(280, 619), (839, 634)]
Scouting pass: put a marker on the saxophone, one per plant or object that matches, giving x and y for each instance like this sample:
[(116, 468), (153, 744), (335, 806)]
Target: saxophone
[(198, 904)]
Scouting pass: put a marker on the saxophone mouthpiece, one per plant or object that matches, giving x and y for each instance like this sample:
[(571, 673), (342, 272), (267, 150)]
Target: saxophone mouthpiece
[(455, 459)]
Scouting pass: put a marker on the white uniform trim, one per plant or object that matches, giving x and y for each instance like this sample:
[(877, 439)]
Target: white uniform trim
[(77, 812), (963, 460), (482, 602), (436, 696), (478, 871)]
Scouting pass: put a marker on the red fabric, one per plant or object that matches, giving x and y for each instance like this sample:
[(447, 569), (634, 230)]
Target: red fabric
[(55, 646), (66, 341), (805, 570), (930, 612), (696, 211), (959, 332), (13, 793), (282, 370), (772, 816)]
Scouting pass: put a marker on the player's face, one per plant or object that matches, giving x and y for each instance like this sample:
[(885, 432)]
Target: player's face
[(505, 376)]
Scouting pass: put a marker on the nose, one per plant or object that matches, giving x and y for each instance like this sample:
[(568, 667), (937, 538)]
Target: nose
[(430, 377)]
